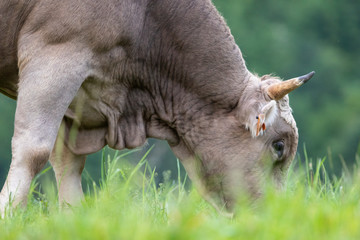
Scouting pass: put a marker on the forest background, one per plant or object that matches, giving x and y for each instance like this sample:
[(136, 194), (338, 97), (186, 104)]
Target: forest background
[(288, 39)]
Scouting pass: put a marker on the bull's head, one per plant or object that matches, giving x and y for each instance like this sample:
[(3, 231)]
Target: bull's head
[(225, 152)]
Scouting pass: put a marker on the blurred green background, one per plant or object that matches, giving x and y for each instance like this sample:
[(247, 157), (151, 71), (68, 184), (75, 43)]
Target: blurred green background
[(287, 38)]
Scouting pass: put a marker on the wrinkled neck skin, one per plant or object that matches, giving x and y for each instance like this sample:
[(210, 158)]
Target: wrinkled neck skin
[(193, 71), (183, 67)]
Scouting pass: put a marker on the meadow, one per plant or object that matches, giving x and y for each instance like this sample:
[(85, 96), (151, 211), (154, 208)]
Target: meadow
[(127, 204)]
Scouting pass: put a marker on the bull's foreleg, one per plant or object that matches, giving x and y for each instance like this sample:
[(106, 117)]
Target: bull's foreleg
[(48, 83), (68, 168)]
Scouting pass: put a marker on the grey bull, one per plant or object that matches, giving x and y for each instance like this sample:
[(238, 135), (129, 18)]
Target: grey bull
[(120, 71)]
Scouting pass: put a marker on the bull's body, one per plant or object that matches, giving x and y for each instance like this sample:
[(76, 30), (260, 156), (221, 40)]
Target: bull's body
[(115, 72)]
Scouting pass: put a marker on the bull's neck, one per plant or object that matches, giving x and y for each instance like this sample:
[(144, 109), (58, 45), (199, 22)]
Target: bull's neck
[(189, 63)]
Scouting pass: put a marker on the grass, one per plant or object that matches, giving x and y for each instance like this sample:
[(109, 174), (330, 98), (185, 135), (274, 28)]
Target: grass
[(127, 204)]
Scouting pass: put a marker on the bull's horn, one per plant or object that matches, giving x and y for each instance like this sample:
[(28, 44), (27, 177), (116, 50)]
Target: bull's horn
[(278, 90)]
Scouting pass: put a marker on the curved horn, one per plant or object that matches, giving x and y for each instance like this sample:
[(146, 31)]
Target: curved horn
[(278, 90)]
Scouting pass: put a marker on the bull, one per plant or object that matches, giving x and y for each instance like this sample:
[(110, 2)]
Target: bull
[(120, 71)]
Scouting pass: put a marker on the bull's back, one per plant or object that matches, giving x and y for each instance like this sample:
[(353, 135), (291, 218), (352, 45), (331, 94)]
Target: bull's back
[(99, 25)]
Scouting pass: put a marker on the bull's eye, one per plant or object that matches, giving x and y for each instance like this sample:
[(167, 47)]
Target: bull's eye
[(279, 148)]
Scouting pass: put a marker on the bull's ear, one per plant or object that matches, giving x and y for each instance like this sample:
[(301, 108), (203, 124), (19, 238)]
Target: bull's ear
[(265, 118)]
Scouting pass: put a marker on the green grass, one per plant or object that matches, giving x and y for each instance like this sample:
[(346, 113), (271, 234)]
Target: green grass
[(127, 204)]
